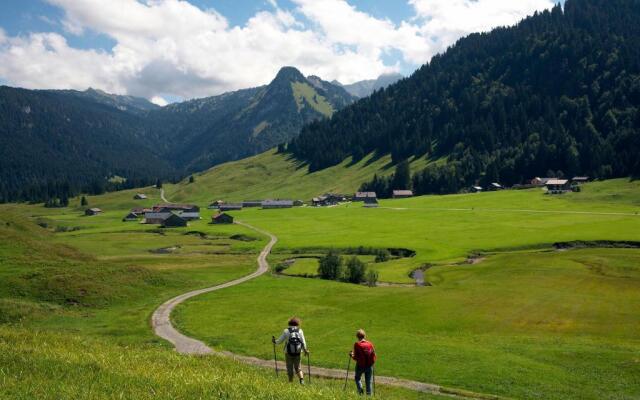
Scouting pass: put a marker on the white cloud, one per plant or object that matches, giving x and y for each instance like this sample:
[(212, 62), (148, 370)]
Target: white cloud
[(174, 48), (160, 101), (445, 21)]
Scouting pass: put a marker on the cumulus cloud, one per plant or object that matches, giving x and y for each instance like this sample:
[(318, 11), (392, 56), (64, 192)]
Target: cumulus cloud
[(174, 48), (445, 21)]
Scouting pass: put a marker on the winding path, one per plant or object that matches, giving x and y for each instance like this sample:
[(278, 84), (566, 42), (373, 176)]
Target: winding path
[(161, 323)]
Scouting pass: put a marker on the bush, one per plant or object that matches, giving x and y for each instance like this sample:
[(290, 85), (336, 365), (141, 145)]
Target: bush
[(356, 270), (372, 278), (331, 266), (382, 256)]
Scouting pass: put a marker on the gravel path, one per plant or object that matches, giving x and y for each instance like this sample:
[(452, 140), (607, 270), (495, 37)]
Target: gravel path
[(161, 323)]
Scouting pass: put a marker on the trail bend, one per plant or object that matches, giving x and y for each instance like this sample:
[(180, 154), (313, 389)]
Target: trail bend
[(161, 323)]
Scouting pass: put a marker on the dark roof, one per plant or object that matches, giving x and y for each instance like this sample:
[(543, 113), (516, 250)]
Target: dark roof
[(171, 206), (157, 215), (223, 216), (277, 203), (174, 220)]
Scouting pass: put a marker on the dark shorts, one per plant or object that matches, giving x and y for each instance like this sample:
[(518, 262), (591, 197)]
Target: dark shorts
[(293, 363)]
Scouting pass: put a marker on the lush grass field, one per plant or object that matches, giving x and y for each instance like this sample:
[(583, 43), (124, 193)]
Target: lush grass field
[(76, 292), (46, 365), (554, 325), (526, 322), (76, 295)]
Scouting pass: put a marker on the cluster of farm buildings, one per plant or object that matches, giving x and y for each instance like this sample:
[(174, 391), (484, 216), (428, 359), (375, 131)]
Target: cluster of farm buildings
[(177, 215), (553, 185)]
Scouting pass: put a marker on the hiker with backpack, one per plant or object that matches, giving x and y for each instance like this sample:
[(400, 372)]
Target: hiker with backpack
[(365, 356), (294, 345)]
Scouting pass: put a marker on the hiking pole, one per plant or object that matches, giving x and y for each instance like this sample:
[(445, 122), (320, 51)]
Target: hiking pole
[(309, 366), (373, 372), (275, 357), (347, 376)]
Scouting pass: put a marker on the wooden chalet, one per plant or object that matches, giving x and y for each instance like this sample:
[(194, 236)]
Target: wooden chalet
[(222, 218), (495, 186), (402, 194), (558, 186), (130, 217), (475, 189), (156, 218), (361, 196), (580, 179), (230, 207), (174, 221), (371, 202), (92, 211), (327, 199), (169, 207), (140, 196), (215, 205), (189, 216), (537, 181), (271, 204)]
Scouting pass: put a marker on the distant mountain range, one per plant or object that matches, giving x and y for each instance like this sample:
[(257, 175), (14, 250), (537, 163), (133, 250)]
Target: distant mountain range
[(80, 139), (366, 88)]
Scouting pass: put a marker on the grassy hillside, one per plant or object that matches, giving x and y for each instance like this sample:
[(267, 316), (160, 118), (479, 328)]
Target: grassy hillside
[(272, 175), (76, 295)]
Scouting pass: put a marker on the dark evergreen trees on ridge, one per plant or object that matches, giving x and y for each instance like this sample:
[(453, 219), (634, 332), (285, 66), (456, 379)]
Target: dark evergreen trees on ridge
[(560, 91)]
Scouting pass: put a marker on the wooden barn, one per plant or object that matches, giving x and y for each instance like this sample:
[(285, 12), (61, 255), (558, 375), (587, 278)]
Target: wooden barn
[(174, 221), (252, 203), (271, 204), (156, 217), (130, 217), (558, 186), (140, 196), (371, 202), (230, 207), (92, 211), (402, 194), (222, 218), (361, 196), (215, 205)]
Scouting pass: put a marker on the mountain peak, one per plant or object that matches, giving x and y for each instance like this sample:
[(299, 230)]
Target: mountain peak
[(290, 74)]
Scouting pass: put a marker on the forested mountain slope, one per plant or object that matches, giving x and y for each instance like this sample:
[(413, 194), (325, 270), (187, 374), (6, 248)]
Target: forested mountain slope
[(56, 143), (200, 133), (53, 143), (560, 91)]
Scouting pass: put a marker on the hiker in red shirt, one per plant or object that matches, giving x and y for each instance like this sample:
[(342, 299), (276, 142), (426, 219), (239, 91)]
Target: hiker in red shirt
[(365, 356)]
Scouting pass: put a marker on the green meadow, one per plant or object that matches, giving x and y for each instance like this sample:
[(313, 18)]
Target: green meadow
[(525, 320), (77, 293)]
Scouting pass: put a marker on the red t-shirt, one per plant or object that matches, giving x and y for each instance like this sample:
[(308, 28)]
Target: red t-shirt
[(364, 353)]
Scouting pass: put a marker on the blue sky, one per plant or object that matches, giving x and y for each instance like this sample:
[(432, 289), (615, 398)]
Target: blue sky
[(176, 49)]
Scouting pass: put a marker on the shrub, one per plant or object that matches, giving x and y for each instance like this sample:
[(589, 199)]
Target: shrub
[(372, 278), (356, 269), (382, 256), (331, 266)]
